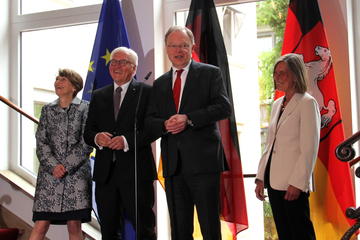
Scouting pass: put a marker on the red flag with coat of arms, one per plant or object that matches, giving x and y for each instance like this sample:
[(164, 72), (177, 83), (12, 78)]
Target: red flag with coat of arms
[(305, 35)]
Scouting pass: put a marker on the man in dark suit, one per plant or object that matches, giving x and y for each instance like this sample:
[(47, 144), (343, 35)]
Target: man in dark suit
[(186, 114), (112, 135)]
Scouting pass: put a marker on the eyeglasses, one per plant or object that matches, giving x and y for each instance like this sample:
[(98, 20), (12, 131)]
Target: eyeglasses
[(173, 46), (122, 63)]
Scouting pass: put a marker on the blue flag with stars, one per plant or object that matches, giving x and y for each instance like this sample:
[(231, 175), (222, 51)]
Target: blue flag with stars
[(111, 33)]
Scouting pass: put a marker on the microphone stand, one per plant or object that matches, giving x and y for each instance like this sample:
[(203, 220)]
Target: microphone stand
[(135, 162)]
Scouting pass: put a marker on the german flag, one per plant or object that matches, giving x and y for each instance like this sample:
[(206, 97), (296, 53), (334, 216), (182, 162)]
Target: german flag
[(210, 48)]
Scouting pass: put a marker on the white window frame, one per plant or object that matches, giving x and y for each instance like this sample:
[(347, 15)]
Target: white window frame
[(30, 22)]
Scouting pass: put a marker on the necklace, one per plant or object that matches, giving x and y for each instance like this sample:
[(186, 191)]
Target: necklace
[(283, 105)]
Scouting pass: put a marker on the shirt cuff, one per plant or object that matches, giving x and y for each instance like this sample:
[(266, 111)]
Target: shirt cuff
[(126, 145), (100, 147)]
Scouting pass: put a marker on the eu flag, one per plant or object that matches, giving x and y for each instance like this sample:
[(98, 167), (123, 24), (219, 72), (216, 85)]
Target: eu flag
[(111, 33)]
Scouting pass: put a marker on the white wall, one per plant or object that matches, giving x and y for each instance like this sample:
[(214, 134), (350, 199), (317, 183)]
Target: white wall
[(144, 23), (21, 205), (335, 21), (354, 55), (139, 17), (4, 81)]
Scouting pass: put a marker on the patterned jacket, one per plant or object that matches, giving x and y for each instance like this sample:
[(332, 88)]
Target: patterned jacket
[(60, 141)]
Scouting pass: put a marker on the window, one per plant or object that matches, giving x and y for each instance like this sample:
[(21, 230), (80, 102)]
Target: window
[(232, 22), (35, 6), (43, 52), (43, 42)]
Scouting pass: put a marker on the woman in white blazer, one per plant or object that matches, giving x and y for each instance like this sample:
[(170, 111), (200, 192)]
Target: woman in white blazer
[(292, 143)]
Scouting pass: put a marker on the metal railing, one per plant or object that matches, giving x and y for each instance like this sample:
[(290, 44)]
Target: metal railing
[(345, 153), (19, 110)]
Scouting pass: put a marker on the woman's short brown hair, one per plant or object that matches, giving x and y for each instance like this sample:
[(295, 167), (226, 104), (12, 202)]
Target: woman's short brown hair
[(75, 79)]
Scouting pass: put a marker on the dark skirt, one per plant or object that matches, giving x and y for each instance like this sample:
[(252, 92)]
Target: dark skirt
[(61, 218)]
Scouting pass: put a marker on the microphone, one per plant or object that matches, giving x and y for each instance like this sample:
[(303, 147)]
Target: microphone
[(141, 89), (147, 76), (135, 155)]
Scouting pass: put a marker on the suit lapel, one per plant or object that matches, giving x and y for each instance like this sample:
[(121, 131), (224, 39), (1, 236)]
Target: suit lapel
[(108, 96), (289, 108), (130, 93), (169, 98), (276, 111), (191, 80)]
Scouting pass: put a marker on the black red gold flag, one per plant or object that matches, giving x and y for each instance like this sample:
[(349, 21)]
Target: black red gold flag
[(210, 48)]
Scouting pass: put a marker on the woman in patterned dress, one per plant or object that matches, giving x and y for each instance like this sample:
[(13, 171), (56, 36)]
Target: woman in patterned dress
[(63, 188)]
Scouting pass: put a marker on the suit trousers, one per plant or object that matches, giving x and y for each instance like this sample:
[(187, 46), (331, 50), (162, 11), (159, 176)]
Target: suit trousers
[(116, 196), (201, 190), (292, 218)]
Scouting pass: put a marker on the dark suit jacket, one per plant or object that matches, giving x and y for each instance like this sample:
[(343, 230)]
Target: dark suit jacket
[(101, 119), (205, 102)]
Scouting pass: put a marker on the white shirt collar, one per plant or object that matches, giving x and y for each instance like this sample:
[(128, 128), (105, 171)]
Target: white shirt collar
[(186, 69), (124, 87)]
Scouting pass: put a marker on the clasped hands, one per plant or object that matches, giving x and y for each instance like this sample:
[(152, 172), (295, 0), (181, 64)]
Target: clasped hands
[(59, 171), (176, 123), (292, 192), (106, 139)]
